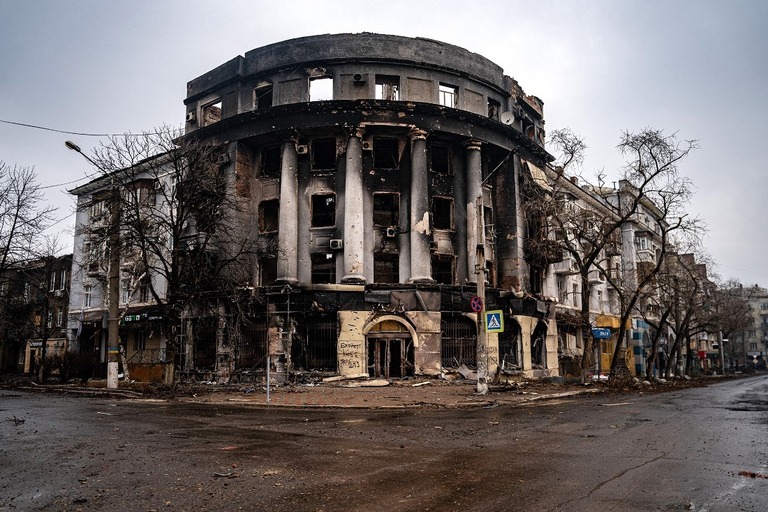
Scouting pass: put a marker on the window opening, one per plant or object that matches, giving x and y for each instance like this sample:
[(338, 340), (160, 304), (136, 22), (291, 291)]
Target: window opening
[(448, 95), (387, 87), (269, 212), (140, 341), (271, 162), (386, 268), (493, 109), (262, 97), (323, 269), (251, 346), (509, 352), (268, 274), (315, 347), (441, 160), (87, 296), (386, 153), (538, 352), (442, 268), (442, 213), (324, 153), (323, 210), (212, 113), (386, 209), (321, 88), (458, 341)]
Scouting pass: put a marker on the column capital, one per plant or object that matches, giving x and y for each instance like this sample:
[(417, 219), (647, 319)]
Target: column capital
[(473, 144), (417, 134), (357, 131)]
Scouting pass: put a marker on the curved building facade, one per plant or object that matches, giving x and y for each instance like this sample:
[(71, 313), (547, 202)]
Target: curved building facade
[(383, 174)]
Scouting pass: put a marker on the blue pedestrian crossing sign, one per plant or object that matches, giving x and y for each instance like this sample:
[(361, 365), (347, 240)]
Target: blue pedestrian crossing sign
[(494, 321)]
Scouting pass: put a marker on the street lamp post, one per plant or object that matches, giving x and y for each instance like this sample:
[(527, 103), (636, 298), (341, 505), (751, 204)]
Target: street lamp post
[(112, 344)]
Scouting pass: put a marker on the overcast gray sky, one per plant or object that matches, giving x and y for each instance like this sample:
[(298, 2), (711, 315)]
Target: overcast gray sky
[(698, 68)]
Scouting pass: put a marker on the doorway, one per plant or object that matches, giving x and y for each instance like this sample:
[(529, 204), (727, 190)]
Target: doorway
[(390, 351)]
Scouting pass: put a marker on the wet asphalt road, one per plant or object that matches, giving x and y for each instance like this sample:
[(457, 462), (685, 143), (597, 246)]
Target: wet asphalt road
[(702, 449)]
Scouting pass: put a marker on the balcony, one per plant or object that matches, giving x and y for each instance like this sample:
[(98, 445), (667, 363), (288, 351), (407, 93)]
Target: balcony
[(543, 252), (567, 266)]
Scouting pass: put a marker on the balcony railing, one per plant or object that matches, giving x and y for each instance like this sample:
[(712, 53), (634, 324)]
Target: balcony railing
[(148, 356)]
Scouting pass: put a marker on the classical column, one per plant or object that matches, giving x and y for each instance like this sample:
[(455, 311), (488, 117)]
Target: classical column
[(288, 234), (420, 229), (354, 228), (474, 190)]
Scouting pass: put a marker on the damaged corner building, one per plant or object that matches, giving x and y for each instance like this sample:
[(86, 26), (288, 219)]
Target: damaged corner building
[(379, 179)]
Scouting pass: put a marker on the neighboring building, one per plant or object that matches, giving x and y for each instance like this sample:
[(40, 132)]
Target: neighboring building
[(748, 348), (383, 173), (34, 299)]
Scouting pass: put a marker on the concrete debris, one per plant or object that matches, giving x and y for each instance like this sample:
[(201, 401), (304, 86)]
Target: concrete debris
[(376, 383), (467, 373), (338, 378), (419, 384)]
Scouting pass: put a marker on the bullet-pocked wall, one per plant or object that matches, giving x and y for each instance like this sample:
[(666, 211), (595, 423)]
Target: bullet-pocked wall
[(383, 176)]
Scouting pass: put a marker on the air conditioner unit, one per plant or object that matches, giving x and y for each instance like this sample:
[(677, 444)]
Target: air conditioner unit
[(191, 116), (391, 232), (336, 244), (368, 144), (358, 78), (223, 159), (302, 149)]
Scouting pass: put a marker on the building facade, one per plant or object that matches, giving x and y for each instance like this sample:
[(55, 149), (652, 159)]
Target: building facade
[(34, 301)]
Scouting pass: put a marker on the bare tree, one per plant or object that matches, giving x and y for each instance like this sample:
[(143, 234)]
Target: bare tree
[(180, 238), (585, 222), (23, 218), (654, 183), (678, 300)]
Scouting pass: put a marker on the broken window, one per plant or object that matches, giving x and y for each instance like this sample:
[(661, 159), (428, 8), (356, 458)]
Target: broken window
[(386, 153), (386, 209), (268, 271), (323, 210), (387, 87), (440, 159), (458, 341), (386, 268), (448, 95), (262, 96), (509, 352), (321, 88), (488, 221), (269, 214), (315, 344), (442, 213), (494, 108), (271, 158), (324, 153), (323, 269), (442, 268), (212, 113)]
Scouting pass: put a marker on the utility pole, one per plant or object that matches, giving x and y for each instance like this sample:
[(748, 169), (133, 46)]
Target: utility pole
[(482, 340), (112, 344), (113, 325)]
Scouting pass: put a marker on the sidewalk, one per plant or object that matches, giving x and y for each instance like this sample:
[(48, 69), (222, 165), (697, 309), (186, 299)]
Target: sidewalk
[(382, 394)]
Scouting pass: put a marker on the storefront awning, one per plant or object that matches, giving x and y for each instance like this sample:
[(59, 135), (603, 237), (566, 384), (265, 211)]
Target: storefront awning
[(609, 321), (538, 175)]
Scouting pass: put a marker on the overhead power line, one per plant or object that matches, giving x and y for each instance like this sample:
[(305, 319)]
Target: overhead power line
[(83, 134)]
